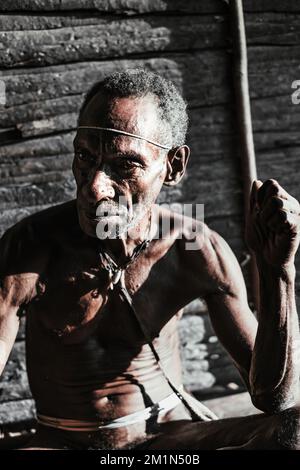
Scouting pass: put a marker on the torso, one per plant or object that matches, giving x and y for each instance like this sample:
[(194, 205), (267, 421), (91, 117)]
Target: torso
[(86, 354)]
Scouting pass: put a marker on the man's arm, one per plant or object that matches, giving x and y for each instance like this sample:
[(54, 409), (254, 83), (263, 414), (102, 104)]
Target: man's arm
[(274, 373), (266, 354), (9, 325), (17, 284), (272, 232)]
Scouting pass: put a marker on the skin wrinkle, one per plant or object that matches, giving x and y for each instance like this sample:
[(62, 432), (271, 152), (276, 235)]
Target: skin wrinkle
[(284, 332)]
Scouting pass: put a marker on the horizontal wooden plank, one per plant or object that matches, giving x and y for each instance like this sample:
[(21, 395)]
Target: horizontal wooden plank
[(278, 6), (35, 170), (37, 194), (18, 22), (37, 148), (283, 29), (118, 6), (115, 38), (38, 86), (271, 73), (146, 6), (280, 26)]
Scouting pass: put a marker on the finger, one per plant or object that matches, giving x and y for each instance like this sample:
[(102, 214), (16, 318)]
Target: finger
[(272, 188), (275, 203), (253, 194), (283, 220), (265, 189), (269, 189), (269, 208)]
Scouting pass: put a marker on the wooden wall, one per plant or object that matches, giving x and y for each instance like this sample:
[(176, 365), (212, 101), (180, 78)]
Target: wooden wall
[(52, 51)]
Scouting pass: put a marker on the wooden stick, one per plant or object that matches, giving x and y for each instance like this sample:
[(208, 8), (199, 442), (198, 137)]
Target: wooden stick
[(244, 121)]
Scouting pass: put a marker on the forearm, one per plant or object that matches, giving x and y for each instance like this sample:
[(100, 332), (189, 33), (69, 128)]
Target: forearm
[(274, 373)]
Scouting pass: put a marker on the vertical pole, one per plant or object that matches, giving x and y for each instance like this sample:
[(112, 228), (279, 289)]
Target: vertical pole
[(244, 121)]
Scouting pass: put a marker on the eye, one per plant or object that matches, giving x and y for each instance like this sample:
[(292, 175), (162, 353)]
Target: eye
[(84, 157), (128, 164)]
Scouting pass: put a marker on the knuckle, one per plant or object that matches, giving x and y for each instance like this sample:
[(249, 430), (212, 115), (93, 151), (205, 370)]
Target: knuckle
[(272, 182)]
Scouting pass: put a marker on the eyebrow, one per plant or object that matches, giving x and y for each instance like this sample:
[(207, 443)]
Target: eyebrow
[(130, 154)]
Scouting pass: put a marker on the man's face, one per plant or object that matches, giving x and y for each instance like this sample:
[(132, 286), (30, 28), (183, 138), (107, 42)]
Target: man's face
[(109, 166)]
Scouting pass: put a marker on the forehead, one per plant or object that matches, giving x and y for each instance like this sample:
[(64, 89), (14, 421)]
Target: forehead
[(106, 142), (136, 115)]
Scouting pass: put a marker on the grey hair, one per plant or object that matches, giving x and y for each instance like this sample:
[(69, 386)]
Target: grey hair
[(139, 82)]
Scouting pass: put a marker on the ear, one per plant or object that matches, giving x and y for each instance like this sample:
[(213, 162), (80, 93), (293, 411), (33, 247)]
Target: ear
[(177, 160)]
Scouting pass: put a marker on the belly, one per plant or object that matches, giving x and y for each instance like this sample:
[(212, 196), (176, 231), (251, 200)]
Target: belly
[(95, 379)]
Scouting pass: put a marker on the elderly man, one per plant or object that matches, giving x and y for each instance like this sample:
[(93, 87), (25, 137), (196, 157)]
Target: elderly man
[(103, 285)]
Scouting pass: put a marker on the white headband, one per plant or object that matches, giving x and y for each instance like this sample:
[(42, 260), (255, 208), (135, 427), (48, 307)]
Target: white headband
[(126, 133)]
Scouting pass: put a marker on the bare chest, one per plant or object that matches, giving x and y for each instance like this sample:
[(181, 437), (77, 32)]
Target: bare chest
[(74, 301)]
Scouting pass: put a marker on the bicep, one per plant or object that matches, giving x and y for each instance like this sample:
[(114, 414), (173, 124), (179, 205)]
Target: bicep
[(17, 286), (15, 291)]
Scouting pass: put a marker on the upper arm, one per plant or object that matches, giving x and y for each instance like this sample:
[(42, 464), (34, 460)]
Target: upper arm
[(9, 325), (17, 285), (226, 297)]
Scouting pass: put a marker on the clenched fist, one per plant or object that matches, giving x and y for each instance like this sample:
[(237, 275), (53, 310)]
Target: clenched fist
[(273, 224)]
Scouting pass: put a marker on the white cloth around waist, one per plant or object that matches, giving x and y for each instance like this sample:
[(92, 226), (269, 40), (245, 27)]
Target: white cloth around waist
[(163, 406), (166, 404)]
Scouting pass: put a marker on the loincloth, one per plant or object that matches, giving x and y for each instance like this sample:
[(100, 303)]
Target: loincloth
[(163, 406)]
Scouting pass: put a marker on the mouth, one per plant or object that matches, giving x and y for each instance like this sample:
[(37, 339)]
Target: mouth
[(103, 212), (102, 215)]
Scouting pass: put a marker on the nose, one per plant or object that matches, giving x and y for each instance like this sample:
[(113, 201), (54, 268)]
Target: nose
[(99, 187)]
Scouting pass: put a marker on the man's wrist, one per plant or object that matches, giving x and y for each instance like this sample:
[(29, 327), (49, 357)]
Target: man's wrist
[(286, 271)]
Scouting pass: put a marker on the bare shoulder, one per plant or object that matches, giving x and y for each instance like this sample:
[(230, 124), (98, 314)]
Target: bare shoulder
[(25, 249), (43, 226), (207, 257)]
